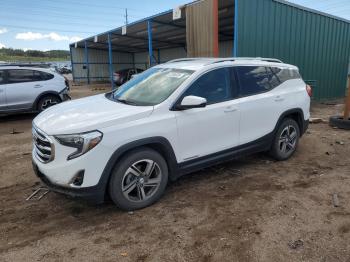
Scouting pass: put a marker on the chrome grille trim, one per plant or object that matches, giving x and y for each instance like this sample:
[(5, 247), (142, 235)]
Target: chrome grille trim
[(43, 146)]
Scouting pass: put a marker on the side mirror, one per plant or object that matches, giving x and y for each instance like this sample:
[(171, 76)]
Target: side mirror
[(189, 102)]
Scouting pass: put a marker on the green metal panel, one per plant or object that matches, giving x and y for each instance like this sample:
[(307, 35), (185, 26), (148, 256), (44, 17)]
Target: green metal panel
[(318, 44)]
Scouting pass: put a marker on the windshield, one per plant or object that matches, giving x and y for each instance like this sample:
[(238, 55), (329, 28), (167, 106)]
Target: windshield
[(151, 87)]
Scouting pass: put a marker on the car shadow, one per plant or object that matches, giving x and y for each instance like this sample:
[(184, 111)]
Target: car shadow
[(17, 117)]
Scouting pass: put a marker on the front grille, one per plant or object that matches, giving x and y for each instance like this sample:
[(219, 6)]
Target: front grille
[(43, 147)]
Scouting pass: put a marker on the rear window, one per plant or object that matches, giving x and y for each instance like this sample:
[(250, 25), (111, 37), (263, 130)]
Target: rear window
[(285, 74), (259, 79), (255, 79)]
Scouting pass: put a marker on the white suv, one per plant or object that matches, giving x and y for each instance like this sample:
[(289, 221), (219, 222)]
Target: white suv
[(171, 120)]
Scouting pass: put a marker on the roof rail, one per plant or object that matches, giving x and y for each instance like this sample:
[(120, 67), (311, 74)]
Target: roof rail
[(248, 58), (219, 60), (190, 59)]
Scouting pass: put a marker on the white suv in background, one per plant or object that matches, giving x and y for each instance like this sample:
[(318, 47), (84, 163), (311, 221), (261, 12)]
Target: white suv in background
[(170, 120), (30, 89)]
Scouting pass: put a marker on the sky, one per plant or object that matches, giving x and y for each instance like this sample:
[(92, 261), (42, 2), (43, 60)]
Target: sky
[(53, 24)]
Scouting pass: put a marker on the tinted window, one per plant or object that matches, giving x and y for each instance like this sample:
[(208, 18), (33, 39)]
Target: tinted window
[(20, 75), (213, 86), (45, 76), (25, 75), (285, 74), (2, 77), (255, 79)]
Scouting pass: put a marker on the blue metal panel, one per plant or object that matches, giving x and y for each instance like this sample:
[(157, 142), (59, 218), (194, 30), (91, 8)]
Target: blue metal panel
[(110, 60), (87, 62), (150, 48), (235, 33)]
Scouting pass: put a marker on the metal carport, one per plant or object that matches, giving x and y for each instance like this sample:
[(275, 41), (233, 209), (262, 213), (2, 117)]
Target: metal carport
[(141, 44)]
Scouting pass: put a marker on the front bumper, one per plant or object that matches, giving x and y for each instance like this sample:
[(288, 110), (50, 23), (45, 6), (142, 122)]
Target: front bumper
[(94, 194)]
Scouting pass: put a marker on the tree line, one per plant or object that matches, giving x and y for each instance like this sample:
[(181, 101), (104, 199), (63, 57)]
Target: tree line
[(35, 53)]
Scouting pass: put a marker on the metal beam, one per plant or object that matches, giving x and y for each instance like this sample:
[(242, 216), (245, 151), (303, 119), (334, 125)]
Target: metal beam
[(146, 39), (110, 60), (150, 48), (216, 28), (119, 46), (235, 31), (87, 62), (170, 24), (71, 61)]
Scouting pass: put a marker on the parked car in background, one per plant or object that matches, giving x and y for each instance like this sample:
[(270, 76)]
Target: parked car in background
[(173, 119), (30, 89), (64, 70), (122, 76)]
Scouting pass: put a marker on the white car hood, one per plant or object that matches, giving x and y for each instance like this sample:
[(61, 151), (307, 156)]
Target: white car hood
[(86, 114)]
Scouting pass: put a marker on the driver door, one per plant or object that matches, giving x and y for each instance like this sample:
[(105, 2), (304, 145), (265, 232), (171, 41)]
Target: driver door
[(214, 128)]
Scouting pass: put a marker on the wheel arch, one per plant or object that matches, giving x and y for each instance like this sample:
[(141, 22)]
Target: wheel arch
[(159, 144), (296, 114), (43, 94)]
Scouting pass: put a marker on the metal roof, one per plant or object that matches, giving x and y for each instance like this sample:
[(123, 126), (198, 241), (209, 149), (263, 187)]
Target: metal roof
[(169, 33), (166, 32)]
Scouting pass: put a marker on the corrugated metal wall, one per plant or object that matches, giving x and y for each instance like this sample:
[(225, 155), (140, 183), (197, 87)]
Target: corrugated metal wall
[(317, 44), (98, 64)]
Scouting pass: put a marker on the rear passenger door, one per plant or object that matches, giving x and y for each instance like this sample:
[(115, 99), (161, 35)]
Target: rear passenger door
[(2, 90), (260, 106), (22, 88)]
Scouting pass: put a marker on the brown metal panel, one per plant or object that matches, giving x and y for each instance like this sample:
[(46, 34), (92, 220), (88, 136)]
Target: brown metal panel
[(200, 31)]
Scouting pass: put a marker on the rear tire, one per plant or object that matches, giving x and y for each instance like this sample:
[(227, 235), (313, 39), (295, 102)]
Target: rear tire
[(48, 101), (139, 179), (286, 140)]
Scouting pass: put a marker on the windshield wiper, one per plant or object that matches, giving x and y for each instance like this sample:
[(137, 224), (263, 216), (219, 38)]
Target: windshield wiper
[(124, 101)]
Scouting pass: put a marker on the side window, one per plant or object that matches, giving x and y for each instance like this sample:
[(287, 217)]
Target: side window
[(20, 76), (213, 86), (2, 77), (255, 79), (45, 76), (285, 74)]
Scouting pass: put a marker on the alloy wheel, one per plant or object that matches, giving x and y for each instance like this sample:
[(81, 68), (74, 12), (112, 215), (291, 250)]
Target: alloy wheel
[(47, 103), (288, 139), (141, 180)]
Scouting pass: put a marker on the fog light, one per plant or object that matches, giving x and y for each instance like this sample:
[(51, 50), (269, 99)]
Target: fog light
[(79, 178)]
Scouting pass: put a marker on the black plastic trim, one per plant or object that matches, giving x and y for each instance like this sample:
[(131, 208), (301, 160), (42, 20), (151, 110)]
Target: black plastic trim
[(261, 144)]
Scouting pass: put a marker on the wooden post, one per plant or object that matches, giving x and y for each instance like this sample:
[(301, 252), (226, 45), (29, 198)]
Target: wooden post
[(347, 102)]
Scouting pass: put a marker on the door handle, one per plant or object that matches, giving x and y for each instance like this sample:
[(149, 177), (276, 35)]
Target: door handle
[(279, 99), (37, 86)]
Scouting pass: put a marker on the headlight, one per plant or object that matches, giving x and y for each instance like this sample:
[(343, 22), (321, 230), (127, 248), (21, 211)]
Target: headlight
[(82, 142)]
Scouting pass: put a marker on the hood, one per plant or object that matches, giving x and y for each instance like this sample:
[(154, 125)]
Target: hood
[(86, 114)]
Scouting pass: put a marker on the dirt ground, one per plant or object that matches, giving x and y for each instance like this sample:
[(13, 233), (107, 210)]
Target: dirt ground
[(252, 209)]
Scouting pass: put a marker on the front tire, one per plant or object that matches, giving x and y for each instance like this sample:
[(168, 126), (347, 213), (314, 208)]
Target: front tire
[(286, 140), (139, 179), (47, 101)]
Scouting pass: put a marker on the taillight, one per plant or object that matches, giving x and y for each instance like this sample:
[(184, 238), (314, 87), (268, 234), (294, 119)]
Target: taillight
[(309, 90)]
